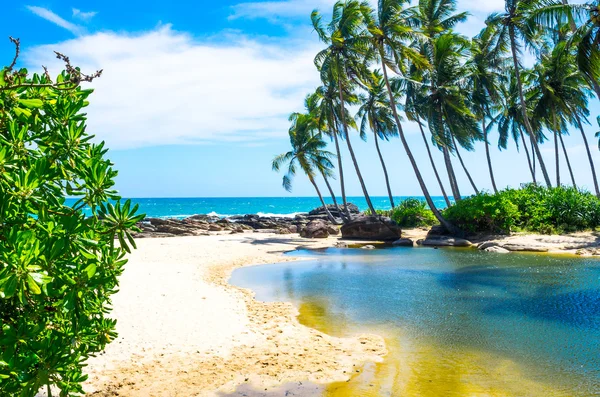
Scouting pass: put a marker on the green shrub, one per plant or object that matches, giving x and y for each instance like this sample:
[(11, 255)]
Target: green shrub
[(58, 268), (532, 208), (410, 213)]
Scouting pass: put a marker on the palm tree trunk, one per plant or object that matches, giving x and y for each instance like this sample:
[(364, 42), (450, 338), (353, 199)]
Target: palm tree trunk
[(360, 178), (339, 158), (528, 158), (385, 173), (556, 158), (562, 143), (589, 153), (487, 154), (451, 175), (331, 218), (464, 166), (435, 171), (335, 203), (533, 155), (447, 225), (513, 46)]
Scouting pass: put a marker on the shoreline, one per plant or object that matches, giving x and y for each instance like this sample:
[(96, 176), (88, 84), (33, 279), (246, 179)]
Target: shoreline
[(203, 336), (224, 339)]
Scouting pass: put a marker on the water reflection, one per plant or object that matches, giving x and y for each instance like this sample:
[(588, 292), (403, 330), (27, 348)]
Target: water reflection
[(456, 322)]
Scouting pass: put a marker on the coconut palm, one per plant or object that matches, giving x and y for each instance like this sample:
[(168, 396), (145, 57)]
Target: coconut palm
[(388, 32), (310, 122), (510, 121), (375, 114), (450, 120), (560, 93), (486, 66), (327, 108), (342, 61), (513, 27), (308, 153), (414, 92)]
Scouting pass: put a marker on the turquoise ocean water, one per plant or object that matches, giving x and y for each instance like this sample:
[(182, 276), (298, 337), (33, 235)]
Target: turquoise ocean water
[(266, 206)]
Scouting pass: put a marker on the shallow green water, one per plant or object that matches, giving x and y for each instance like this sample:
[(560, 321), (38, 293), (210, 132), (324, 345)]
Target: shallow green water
[(457, 322)]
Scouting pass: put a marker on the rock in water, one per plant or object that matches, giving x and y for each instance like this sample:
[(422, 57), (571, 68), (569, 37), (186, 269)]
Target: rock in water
[(443, 241), (315, 229), (371, 228), (353, 209), (403, 242)]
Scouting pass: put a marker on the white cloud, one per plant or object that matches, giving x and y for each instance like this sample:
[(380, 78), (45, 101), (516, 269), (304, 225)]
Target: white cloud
[(55, 19), (86, 16), (163, 87), (480, 6)]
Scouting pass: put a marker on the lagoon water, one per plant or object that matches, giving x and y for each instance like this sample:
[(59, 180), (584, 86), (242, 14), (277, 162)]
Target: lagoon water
[(457, 322)]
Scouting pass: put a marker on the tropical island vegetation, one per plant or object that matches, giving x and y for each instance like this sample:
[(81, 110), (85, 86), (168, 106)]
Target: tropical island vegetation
[(406, 59), (58, 266)]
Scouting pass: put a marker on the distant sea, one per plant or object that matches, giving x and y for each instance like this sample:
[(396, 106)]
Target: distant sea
[(264, 206)]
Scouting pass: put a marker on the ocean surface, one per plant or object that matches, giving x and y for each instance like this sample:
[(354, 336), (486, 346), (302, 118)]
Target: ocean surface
[(264, 206), (457, 322)]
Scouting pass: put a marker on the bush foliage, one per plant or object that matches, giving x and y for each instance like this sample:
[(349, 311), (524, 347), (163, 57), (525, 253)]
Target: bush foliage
[(531, 208), (411, 213), (58, 268)]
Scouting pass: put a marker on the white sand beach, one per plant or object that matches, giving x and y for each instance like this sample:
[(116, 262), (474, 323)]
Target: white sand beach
[(183, 331)]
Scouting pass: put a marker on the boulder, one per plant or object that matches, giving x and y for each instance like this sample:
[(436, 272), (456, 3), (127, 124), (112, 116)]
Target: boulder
[(202, 218), (496, 249), (487, 244), (444, 241), (403, 242), (368, 247), (371, 228), (353, 209), (315, 229), (524, 247), (437, 230)]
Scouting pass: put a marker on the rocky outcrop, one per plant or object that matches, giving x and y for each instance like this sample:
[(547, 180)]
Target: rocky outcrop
[(372, 228), (403, 242), (318, 229), (496, 249), (518, 247), (444, 241), (320, 213)]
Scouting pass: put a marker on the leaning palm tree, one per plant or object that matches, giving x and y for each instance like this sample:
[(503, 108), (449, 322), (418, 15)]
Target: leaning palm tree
[(308, 153), (560, 94), (310, 122), (341, 62), (375, 113), (450, 119), (327, 109), (514, 26), (485, 79), (388, 32)]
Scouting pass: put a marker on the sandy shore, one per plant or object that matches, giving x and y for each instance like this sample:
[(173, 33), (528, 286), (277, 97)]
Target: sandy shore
[(183, 331)]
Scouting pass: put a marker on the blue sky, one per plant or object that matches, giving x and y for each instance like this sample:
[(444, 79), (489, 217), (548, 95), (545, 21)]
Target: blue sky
[(195, 95)]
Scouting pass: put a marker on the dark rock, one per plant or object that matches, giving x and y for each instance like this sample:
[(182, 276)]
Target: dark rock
[(353, 209), (315, 229), (443, 241), (524, 247), (438, 230), (404, 242), (203, 218), (371, 228)]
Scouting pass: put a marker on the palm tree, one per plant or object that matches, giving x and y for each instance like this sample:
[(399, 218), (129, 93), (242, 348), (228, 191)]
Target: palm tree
[(310, 123), (328, 110), (308, 153), (341, 62), (451, 121), (559, 93), (485, 79), (510, 121), (512, 27), (414, 93), (375, 113), (387, 34)]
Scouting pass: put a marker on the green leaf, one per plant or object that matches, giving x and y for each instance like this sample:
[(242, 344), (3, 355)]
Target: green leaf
[(33, 286), (31, 103), (90, 270)]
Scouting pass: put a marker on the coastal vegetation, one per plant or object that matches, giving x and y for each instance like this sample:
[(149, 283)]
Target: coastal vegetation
[(405, 58), (58, 267)]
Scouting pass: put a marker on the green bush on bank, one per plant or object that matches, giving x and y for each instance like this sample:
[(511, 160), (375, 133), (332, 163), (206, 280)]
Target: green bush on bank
[(411, 213), (532, 208)]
